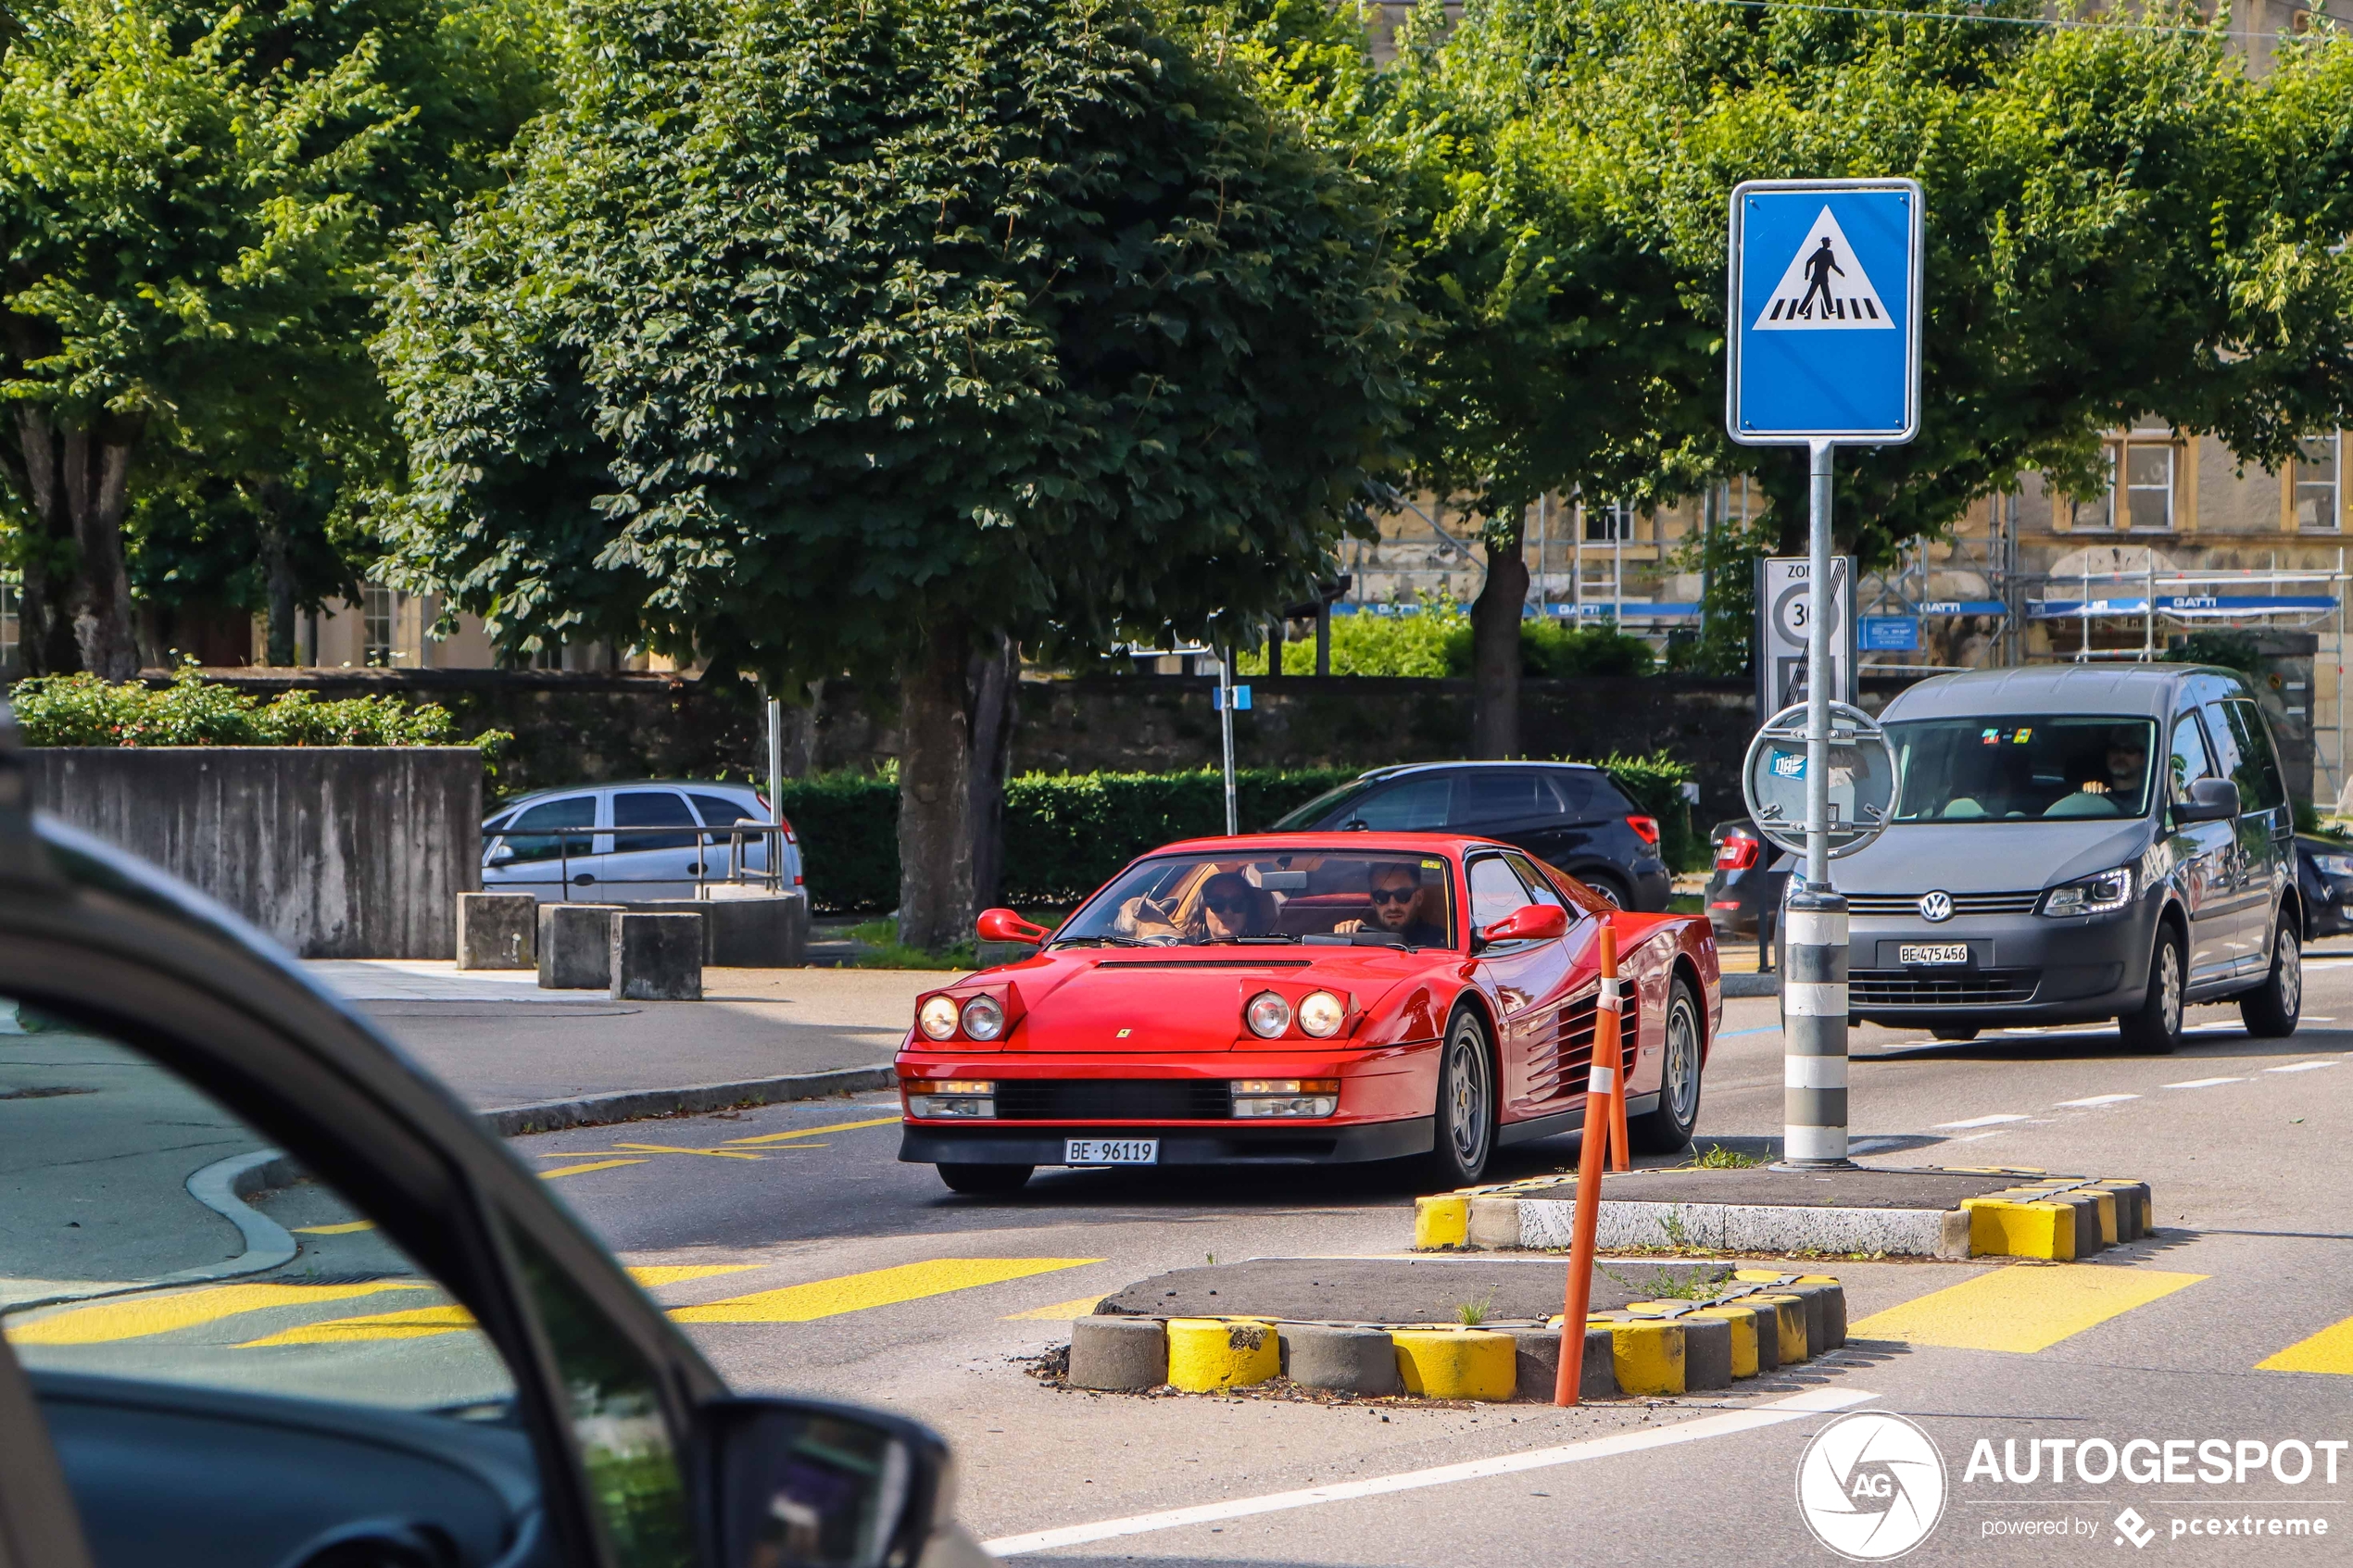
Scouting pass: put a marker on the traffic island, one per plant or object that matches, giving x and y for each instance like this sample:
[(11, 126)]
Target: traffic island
[(1445, 1331), (1866, 1211)]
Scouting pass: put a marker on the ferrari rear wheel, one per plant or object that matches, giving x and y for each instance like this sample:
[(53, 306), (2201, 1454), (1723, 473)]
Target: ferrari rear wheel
[(984, 1179), (1465, 1108)]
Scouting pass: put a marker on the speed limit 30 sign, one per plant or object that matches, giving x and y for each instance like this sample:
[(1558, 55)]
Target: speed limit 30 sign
[(1783, 605)]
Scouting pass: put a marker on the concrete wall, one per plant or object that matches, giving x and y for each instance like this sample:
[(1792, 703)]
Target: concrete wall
[(338, 852)]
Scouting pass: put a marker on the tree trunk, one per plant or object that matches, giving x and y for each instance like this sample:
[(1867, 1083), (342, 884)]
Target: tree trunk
[(75, 481), (1495, 618), (277, 574), (934, 802), (995, 681)]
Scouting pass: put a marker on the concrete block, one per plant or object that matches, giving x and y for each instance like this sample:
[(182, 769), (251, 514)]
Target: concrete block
[(1599, 1379), (576, 946), (1355, 1360), (1744, 1322), (497, 931), (656, 957), (1495, 1222), (2133, 1217), (1707, 1352), (2001, 1227), (1833, 1308), (1536, 1362), (1442, 1219), (1647, 1357), (1791, 1344), (1457, 1363), (1817, 1315), (1207, 1354), (758, 931), (1108, 1352)]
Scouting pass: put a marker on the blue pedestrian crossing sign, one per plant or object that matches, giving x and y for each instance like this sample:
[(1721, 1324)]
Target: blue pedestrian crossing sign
[(1825, 312)]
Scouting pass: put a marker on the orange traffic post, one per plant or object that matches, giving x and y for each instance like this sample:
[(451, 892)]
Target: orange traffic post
[(1600, 1094)]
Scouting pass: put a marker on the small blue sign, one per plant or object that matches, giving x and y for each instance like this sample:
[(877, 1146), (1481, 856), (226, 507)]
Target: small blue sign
[(1825, 312), (1788, 764), (1217, 699), (1888, 634)]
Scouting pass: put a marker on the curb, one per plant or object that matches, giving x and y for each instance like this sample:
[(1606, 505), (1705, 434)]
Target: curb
[(2057, 1218), (1757, 1322), (639, 1105)]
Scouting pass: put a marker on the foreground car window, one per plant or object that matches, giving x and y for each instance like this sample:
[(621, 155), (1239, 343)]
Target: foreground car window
[(2015, 768), (148, 1232), (1196, 900)]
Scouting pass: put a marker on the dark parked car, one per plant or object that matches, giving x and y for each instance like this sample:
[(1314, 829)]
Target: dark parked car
[(1566, 814), (1748, 883), (413, 1356), (2324, 875)]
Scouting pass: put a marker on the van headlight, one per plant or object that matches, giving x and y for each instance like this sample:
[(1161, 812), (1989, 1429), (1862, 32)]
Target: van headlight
[(2091, 895)]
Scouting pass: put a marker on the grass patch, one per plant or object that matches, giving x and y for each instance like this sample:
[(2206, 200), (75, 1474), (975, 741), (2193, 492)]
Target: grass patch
[(1719, 1158), (1470, 1314), (1687, 904), (879, 947)]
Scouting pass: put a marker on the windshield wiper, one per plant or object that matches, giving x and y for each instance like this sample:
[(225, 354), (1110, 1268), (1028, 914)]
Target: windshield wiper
[(1107, 941), (1239, 941)]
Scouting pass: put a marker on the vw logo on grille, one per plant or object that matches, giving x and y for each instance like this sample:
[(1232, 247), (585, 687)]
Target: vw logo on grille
[(1936, 906)]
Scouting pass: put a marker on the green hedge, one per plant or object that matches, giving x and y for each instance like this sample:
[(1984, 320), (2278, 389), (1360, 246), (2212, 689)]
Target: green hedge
[(1065, 833)]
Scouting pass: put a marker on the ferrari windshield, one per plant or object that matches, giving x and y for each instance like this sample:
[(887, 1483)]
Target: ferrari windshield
[(2014, 769), (1396, 900)]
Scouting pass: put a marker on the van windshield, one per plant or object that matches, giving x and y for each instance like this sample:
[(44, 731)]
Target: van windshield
[(2051, 765)]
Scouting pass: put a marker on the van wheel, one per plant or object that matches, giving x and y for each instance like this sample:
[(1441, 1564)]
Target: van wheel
[(1668, 1128), (2155, 1027), (2271, 1008), (1952, 1032), (1465, 1113), (981, 1180)]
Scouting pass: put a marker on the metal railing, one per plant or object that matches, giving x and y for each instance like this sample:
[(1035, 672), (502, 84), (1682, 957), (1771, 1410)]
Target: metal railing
[(738, 871)]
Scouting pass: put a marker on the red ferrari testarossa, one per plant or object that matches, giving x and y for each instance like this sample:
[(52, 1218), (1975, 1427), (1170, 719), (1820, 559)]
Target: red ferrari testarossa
[(1294, 998)]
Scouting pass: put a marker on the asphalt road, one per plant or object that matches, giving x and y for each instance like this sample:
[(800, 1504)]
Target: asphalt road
[(808, 1259)]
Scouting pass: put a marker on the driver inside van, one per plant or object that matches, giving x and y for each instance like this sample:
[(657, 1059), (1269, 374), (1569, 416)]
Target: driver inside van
[(2127, 765)]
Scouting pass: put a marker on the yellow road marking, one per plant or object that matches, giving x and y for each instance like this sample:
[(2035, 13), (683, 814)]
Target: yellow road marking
[(2021, 1309), (591, 1165), (1060, 1311), (673, 1148), (813, 1132), (650, 1274), (415, 1323), (2329, 1350), (104, 1322), (879, 1287), (344, 1229)]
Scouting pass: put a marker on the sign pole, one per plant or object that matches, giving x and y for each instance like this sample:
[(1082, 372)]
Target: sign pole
[(1814, 982), (1225, 729)]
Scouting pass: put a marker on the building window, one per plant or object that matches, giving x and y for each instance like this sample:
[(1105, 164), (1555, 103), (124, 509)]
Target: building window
[(2317, 471), (2147, 501), (379, 613), (1611, 520)]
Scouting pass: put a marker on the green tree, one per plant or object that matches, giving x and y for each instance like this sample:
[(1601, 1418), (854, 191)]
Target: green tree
[(814, 338)]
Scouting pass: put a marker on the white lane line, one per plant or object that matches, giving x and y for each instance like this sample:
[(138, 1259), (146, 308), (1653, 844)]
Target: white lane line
[(1816, 1401), (2095, 1100), (2201, 1082), (1979, 1121), (2301, 1067)]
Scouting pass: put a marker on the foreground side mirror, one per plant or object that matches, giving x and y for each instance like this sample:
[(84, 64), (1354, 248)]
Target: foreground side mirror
[(2211, 800), (1003, 925), (1529, 922), (803, 1485)]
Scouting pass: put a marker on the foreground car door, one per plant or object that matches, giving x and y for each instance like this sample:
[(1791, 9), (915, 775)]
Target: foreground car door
[(1527, 981)]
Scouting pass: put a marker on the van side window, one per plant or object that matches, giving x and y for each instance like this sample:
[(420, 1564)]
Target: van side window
[(2190, 761), (2257, 774), (2228, 763)]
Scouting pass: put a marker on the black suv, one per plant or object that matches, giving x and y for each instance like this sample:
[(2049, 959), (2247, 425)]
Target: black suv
[(1567, 814)]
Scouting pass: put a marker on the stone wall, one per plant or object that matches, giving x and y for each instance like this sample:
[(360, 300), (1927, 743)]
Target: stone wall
[(337, 852)]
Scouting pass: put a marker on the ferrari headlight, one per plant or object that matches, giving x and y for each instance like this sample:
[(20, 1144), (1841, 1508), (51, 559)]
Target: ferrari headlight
[(1284, 1096), (951, 1097), (983, 1018), (936, 1017), (2091, 895), (1322, 1014), (1268, 1015)]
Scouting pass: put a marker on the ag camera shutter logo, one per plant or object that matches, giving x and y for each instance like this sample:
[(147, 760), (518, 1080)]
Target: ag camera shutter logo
[(1871, 1486)]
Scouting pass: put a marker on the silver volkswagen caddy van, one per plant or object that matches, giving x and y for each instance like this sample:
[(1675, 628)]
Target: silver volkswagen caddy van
[(2075, 843)]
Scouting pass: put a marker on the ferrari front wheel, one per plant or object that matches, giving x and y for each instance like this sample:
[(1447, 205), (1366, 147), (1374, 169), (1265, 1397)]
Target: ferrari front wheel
[(1466, 1110)]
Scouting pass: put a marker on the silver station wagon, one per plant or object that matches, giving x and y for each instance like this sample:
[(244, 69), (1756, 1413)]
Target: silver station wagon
[(2073, 844)]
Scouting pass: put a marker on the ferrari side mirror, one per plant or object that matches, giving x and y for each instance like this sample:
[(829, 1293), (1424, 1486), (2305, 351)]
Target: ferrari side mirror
[(1529, 922), (1003, 925)]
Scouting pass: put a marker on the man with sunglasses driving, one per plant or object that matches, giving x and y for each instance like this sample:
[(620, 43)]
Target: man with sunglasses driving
[(1397, 902)]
